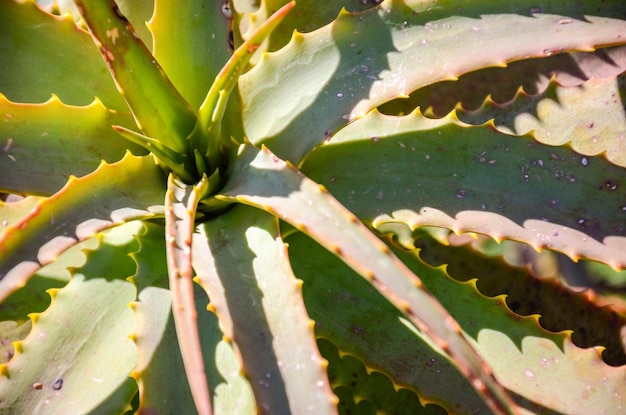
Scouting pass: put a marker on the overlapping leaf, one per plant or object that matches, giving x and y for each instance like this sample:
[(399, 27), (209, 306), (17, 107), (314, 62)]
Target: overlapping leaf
[(173, 25), (554, 118), (41, 149), (244, 267), (537, 365), (261, 179), (42, 71), (160, 373), (80, 345), (364, 60), (593, 319), (159, 109), (113, 194), (503, 186)]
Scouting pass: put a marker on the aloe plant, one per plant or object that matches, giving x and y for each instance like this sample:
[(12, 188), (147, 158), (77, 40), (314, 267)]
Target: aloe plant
[(322, 207)]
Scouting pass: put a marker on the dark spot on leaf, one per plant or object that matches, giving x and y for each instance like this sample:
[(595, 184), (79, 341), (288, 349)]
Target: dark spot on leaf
[(57, 384), (611, 185), (356, 329)]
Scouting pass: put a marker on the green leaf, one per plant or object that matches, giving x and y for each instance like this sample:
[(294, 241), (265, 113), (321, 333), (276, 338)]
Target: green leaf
[(41, 149), (207, 137), (139, 13), (48, 40), (363, 60), (243, 265), (79, 347), (194, 32), (361, 323), (541, 369), (160, 373), (158, 108), (594, 320), (306, 16), (261, 179), (113, 194), (399, 170), (363, 390), (555, 117), (32, 297)]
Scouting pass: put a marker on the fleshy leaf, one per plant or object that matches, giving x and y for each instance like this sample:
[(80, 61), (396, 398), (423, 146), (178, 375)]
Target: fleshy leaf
[(194, 32), (307, 16), (361, 323), (32, 297), (25, 27), (363, 60), (263, 180), (593, 320), (505, 187), (41, 149), (113, 194), (158, 108), (207, 137), (501, 86), (554, 117), (181, 202), (159, 373), (78, 347), (363, 390), (243, 265)]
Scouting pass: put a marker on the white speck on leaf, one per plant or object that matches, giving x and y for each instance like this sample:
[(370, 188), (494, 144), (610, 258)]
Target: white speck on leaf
[(113, 34)]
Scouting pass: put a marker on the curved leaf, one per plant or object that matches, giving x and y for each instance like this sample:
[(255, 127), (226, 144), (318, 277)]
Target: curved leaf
[(263, 180), (47, 38), (41, 149), (160, 373), (541, 369), (181, 202), (593, 319), (360, 322), (159, 110), (80, 346), (555, 117), (473, 179), (363, 60), (113, 194), (243, 265)]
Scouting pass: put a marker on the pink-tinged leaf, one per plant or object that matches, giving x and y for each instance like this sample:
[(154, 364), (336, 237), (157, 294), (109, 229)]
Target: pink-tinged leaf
[(181, 201), (243, 265), (113, 194), (261, 179)]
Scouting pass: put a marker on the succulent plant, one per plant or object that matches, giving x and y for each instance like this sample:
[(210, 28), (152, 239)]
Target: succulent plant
[(357, 207)]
